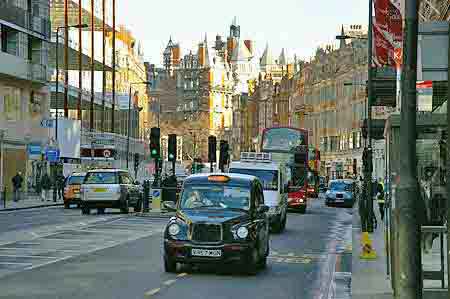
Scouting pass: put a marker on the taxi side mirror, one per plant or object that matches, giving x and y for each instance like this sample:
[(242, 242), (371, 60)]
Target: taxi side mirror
[(170, 205), (263, 209)]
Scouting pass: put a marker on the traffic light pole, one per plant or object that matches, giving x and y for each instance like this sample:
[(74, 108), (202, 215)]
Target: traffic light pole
[(368, 170), (409, 281)]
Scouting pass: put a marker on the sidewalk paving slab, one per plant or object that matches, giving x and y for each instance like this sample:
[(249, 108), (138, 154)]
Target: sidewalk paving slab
[(369, 278), (31, 201)]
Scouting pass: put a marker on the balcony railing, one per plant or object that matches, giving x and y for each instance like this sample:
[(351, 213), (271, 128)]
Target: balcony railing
[(11, 13)]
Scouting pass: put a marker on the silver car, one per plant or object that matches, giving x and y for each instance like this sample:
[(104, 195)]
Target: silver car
[(110, 188), (340, 192)]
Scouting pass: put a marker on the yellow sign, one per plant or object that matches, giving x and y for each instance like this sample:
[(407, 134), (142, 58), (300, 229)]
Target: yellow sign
[(312, 164)]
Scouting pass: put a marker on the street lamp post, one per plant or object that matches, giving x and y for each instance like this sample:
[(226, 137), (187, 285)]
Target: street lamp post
[(367, 223), (129, 117), (57, 70), (79, 26), (2, 137)]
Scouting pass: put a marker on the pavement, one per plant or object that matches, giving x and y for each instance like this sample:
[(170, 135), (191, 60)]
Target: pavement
[(29, 201), (69, 255), (369, 277)]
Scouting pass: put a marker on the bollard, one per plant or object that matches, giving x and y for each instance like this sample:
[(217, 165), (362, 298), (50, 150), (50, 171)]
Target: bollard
[(146, 196), (4, 197)]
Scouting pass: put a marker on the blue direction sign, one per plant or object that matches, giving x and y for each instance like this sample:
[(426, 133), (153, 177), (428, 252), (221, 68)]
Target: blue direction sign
[(52, 155)]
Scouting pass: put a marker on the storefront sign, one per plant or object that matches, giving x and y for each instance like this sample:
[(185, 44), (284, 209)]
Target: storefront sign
[(34, 150)]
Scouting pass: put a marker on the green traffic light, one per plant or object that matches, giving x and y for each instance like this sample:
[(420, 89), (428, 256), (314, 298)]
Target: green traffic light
[(154, 152), (170, 156)]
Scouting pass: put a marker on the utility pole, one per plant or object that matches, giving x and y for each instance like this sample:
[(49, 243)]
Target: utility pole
[(409, 285), (368, 173), (448, 159)]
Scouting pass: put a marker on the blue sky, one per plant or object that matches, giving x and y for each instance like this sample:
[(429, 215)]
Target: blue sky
[(300, 26)]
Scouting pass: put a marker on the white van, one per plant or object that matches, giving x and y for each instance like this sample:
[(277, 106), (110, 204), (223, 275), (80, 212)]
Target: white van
[(274, 179)]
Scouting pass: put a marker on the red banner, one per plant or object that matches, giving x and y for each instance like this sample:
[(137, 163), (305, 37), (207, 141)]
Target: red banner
[(387, 31)]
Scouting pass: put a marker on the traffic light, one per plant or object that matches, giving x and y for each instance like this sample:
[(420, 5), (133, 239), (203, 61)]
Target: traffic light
[(155, 143), (212, 148), (224, 155), (136, 160), (367, 159), (172, 147), (364, 129)]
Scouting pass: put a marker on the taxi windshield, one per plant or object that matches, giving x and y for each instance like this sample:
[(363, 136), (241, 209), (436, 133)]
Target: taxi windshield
[(269, 178), (215, 196), (340, 186), (75, 180)]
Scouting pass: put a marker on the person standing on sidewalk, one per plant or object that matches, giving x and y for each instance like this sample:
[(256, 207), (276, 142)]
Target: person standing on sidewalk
[(60, 180), (17, 182), (46, 184), (380, 197)]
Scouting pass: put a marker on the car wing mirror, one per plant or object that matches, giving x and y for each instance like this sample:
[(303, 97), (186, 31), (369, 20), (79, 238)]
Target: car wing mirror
[(170, 205), (263, 209)]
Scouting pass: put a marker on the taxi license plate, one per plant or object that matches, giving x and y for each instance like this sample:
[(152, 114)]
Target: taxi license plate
[(207, 252), (100, 190)]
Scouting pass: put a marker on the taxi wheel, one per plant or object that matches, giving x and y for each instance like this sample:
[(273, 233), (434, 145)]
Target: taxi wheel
[(66, 206), (125, 209), (170, 266), (138, 206), (283, 223), (85, 211), (302, 210), (254, 262)]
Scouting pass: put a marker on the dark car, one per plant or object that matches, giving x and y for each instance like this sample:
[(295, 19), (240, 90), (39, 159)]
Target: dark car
[(322, 184), (340, 192), (220, 219)]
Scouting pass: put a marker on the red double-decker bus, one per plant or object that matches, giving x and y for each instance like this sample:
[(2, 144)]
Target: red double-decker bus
[(290, 146)]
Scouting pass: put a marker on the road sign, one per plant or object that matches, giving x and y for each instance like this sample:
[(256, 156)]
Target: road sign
[(156, 199), (52, 155), (47, 123)]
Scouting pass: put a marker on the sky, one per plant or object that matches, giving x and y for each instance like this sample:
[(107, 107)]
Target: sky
[(300, 26)]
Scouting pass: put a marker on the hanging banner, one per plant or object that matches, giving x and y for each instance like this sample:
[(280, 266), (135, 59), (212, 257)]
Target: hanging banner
[(387, 32)]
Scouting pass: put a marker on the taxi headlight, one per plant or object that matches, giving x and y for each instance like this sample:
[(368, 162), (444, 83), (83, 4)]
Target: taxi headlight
[(173, 229), (242, 232)]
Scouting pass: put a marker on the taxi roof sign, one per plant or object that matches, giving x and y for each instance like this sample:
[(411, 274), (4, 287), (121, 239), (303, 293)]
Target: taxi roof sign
[(256, 157), (218, 178)]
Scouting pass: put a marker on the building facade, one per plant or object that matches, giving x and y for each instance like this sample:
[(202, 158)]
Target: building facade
[(24, 94), (332, 103)]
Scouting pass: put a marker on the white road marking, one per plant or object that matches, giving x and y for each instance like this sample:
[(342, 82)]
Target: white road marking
[(182, 274), (152, 292), (169, 282), (14, 263), (28, 256)]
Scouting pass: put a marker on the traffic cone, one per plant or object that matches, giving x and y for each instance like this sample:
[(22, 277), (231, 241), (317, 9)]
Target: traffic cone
[(367, 252)]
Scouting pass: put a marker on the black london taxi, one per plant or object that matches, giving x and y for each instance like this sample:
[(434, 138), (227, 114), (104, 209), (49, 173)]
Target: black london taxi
[(220, 219)]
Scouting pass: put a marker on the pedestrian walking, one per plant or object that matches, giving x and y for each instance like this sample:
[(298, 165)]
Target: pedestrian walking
[(60, 182), (17, 182), (46, 184), (380, 197)]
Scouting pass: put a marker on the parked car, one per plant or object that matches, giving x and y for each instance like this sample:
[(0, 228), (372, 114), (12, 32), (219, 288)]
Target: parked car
[(220, 219), (340, 192), (110, 188), (72, 186)]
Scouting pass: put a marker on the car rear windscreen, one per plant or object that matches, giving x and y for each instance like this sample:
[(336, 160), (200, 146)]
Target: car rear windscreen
[(101, 178)]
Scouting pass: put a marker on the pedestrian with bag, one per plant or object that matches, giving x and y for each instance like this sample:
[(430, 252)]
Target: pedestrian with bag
[(46, 185), (17, 182)]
